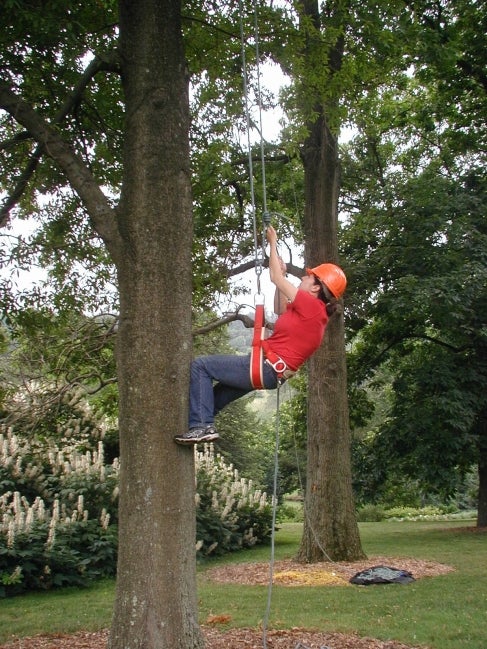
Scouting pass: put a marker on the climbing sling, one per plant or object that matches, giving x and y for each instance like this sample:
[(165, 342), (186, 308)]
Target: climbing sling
[(256, 351)]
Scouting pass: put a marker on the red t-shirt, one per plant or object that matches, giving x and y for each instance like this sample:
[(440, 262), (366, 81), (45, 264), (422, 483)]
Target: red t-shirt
[(298, 332)]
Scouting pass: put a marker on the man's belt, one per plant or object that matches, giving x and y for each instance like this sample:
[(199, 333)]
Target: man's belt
[(279, 366)]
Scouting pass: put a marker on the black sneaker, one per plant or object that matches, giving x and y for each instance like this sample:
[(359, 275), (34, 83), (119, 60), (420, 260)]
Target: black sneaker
[(197, 435)]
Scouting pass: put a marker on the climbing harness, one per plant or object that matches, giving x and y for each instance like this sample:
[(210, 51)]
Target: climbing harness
[(256, 352), (280, 367)]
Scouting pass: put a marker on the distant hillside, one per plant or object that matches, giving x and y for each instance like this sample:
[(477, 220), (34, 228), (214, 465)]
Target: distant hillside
[(239, 337)]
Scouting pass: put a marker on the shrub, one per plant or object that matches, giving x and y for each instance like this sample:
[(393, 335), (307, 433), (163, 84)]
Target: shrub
[(230, 513), (58, 513), (370, 514), (41, 549), (374, 513), (290, 512), (429, 512), (46, 470)]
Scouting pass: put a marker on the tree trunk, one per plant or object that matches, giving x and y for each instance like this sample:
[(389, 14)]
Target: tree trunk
[(330, 526), (482, 501), (482, 504), (156, 603)]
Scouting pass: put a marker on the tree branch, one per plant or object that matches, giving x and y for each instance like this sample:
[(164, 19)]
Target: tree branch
[(97, 205), (292, 269), (436, 341), (248, 322), (108, 62)]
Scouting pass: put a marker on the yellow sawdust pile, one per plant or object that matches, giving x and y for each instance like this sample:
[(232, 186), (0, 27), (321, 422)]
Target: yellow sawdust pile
[(309, 578)]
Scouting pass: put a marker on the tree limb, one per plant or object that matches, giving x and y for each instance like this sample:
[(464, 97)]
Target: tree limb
[(430, 339), (247, 321), (108, 62), (292, 269), (101, 213)]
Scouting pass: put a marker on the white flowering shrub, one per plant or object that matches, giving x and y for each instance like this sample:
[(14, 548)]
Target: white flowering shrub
[(58, 512), (231, 513)]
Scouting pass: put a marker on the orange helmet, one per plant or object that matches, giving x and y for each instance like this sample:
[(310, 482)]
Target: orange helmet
[(331, 276)]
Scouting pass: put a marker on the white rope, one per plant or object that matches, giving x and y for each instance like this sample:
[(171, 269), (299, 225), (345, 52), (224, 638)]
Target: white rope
[(259, 251), (259, 99), (265, 624), (273, 532)]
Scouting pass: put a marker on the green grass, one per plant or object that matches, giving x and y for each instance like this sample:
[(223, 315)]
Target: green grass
[(446, 612), (60, 611)]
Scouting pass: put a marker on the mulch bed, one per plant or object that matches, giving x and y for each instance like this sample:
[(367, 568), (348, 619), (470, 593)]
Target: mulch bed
[(290, 573), (215, 639)]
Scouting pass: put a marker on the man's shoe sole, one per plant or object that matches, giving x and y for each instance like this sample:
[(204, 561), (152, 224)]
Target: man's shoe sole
[(211, 437)]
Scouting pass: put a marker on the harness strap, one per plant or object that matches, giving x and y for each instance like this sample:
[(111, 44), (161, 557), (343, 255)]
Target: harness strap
[(256, 351)]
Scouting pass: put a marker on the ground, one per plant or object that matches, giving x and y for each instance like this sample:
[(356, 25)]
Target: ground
[(232, 639), (286, 573), (290, 573)]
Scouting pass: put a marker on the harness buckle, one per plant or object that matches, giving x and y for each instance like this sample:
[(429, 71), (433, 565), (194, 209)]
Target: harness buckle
[(279, 366), (281, 369)]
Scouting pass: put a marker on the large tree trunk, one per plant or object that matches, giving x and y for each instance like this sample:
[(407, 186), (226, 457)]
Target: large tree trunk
[(330, 526), (482, 468), (156, 603)]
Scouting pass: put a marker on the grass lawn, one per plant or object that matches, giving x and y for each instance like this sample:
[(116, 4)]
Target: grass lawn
[(445, 612)]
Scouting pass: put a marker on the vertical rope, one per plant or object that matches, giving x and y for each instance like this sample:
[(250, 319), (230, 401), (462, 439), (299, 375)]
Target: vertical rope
[(259, 252), (261, 130), (257, 255), (259, 258), (273, 532), (266, 215)]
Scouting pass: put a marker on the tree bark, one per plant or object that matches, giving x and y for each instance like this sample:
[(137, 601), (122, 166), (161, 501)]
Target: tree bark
[(156, 603), (482, 469), (330, 528)]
